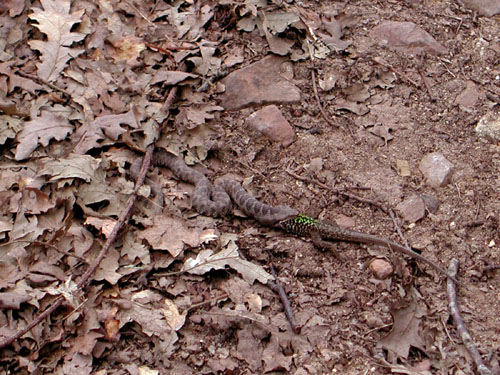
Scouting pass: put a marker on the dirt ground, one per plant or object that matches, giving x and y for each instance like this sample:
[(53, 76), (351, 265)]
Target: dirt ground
[(140, 314)]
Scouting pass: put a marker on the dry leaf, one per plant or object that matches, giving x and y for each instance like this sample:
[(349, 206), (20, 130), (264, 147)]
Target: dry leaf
[(40, 130), (56, 22), (88, 136), (9, 127), (229, 256), (405, 331), (168, 233), (74, 166)]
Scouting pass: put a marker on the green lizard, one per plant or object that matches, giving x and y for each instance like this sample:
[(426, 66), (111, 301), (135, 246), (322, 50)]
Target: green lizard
[(306, 226)]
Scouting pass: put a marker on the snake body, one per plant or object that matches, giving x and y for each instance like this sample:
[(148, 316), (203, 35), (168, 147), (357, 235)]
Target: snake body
[(215, 199)]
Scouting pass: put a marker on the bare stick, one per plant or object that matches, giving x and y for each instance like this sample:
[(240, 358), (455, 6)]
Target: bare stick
[(277, 287), (482, 369), (337, 191), (316, 95)]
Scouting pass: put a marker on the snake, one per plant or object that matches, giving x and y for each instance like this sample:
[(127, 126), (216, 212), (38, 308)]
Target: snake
[(216, 199)]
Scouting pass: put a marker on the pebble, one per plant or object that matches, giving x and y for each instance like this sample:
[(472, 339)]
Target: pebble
[(436, 169), (406, 36), (270, 122), (257, 84)]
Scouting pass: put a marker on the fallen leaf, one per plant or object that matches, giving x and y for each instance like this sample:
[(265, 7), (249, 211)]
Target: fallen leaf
[(405, 331), (56, 22), (206, 260), (88, 136), (107, 268), (9, 127), (12, 301), (74, 166), (171, 234), (51, 124), (174, 318)]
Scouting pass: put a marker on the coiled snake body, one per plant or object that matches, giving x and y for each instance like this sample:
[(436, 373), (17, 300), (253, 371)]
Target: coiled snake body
[(215, 200)]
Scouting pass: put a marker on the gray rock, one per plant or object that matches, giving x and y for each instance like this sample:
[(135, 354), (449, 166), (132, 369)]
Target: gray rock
[(436, 169), (270, 122), (406, 36), (489, 127), (486, 8), (412, 209)]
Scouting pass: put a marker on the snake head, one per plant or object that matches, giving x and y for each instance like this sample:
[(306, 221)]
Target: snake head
[(276, 215), (282, 214)]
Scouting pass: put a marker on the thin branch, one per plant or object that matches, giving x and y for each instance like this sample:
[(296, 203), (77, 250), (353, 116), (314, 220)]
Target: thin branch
[(482, 369), (338, 191), (277, 287), (316, 95)]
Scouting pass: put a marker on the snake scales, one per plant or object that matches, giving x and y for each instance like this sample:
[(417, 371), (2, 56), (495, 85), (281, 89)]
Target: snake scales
[(215, 199)]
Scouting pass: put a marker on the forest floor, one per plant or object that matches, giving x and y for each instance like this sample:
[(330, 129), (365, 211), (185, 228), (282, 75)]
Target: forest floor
[(366, 113)]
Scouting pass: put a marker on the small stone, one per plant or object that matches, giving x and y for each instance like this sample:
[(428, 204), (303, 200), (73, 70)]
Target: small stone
[(486, 8), (344, 221), (469, 97), (489, 127), (403, 168), (436, 169), (407, 36), (412, 209), (381, 269), (270, 122), (431, 203), (316, 165)]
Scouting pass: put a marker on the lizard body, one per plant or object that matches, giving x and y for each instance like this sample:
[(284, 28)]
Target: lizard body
[(306, 226)]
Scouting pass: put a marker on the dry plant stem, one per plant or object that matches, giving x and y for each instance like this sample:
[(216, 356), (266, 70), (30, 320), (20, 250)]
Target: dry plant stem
[(146, 161), (44, 82), (398, 228), (427, 86), (482, 369), (277, 287), (338, 191), (316, 95), (382, 62)]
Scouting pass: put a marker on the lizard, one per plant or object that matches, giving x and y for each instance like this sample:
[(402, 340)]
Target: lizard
[(305, 226)]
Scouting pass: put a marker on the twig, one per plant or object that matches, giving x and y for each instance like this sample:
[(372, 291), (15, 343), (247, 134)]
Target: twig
[(44, 82), (40, 243), (427, 86), (381, 61), (491, 267), (316, 95), (482, 369), (338, 191), (277, 287), (111, 239), (398, 229), (196, 305)]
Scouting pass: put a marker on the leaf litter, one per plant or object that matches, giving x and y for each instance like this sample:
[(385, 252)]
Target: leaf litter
[(85, 89)]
